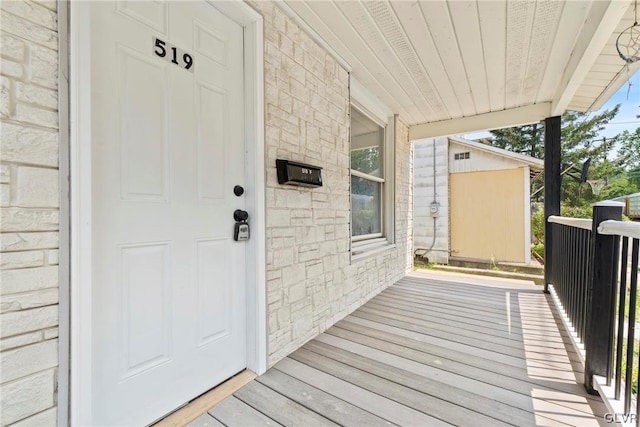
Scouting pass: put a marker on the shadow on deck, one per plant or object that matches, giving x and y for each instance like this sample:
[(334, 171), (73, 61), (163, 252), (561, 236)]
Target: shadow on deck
[(433, 349)]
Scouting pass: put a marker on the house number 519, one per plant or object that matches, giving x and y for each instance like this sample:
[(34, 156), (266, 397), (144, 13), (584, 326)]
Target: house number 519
[(173, 54)]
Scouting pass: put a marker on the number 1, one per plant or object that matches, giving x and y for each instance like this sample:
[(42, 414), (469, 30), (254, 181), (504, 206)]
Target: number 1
[(175, 53)]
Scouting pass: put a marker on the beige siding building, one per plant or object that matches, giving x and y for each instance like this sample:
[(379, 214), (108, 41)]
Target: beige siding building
[(482, 201)]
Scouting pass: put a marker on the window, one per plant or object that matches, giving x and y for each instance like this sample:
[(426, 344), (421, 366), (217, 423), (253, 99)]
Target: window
[(461, 156), (367, 176), (371, 188)]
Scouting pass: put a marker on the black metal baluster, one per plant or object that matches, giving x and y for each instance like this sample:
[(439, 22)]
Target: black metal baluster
[(632, 326), (566, 249), (621, 312), (635, 258), (584, 241), (571, 274), (586, 272)]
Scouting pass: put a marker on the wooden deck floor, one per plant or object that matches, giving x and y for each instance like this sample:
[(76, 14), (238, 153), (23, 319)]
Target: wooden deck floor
[(434, 349)]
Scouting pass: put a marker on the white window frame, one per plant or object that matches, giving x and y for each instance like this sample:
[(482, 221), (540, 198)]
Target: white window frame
[(371, 244)]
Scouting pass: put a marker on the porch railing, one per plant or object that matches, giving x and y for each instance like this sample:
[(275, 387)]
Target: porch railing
[(594, 280)]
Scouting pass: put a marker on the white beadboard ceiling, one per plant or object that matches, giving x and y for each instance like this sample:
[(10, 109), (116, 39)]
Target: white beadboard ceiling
[(454, 66)]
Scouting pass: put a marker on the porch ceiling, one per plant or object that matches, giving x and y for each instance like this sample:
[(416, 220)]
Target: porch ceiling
[(453, 66)]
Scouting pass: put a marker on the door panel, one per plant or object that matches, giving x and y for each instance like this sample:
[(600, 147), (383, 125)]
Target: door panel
[(168, 281)]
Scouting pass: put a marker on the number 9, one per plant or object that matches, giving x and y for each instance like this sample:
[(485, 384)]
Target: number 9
[(187, 60)]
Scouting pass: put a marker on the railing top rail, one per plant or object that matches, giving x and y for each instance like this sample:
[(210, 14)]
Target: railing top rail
[(620, 228), (583, 223)]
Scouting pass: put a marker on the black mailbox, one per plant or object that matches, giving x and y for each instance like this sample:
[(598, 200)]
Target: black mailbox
[(296, 173)]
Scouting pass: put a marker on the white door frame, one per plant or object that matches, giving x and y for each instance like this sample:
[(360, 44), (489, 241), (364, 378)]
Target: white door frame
[(80, 203)]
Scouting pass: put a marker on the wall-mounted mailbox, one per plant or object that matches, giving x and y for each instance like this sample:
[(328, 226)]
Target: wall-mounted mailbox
[(296, 173)]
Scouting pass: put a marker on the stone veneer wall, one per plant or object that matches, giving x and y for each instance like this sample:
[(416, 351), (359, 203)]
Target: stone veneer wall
[(29, 201), (311, 281)]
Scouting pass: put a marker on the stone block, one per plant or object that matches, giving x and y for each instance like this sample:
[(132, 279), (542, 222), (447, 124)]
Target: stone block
[(28, 145), (28, 279), (52, 257), (20, 340), (20, 322), (5, 97), (293, 274), (43, 66), (27, 30), (44, 418), (37, 187), (11, 68), (34, 12), (5, 172), (5, 194), (50, 333), (282, 257), (26, 396), (23, 361), (23, 259), (12, 47), (28, 300), (297, 292), (278, 217), (22, 219), (27, 241), (37, 116), (32, 94)]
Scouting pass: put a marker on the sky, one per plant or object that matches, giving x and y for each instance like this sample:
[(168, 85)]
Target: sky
[(629, 100)]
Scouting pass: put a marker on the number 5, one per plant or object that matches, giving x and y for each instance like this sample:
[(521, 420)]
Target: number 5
[(160, 45)]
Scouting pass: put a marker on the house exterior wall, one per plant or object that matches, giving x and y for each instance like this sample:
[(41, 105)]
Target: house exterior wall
[(311, 281), (478, 160), (29, 204), (423, 186)]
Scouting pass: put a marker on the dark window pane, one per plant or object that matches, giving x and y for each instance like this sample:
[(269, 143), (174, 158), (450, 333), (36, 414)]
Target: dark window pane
[(366, 212)]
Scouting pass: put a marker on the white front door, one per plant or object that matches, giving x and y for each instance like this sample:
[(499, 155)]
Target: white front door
[(168, 279)]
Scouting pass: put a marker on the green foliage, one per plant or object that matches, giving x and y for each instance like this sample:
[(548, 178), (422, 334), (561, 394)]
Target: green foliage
[(537, 220), (577, 211), (526, 139), (620, 186), (579, 136), (537, 227), (630, 149), (366, 160), (538, 249), (615, 159)]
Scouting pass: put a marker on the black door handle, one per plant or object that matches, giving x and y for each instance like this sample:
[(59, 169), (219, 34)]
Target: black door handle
[(240, 216)]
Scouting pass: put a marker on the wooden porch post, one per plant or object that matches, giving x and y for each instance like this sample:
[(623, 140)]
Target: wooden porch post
[(552, 181)]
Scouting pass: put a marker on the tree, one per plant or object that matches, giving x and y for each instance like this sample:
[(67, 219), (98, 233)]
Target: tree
[(630, 148), (580, 141)]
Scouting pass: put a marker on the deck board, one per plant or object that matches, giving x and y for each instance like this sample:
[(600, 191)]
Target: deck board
[(233, 412), (434, 349), (277, 407), (331, 407)]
